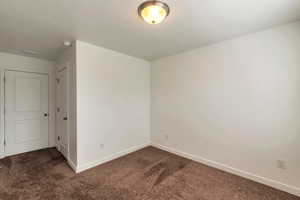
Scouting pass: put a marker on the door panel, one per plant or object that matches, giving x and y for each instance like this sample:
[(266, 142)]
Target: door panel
[(28, 94), (61, 115), (26, 103), (28, 130)]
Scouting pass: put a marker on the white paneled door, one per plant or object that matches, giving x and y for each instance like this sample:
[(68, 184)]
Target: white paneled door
[(26, 112), (62, 112)]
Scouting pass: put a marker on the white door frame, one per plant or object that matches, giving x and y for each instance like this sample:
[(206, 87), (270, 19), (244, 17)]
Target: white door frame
[(51, 100), (58, 70)]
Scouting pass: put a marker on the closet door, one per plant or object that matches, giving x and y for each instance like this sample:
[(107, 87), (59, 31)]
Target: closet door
[(26, 112)]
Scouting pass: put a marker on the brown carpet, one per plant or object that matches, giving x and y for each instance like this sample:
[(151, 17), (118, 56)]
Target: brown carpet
[(148, 174)]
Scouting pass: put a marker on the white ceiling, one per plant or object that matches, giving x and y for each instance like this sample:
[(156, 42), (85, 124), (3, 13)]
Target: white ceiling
[(42, 25)]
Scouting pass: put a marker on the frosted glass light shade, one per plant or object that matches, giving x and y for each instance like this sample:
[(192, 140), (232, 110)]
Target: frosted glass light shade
[(153, 12)]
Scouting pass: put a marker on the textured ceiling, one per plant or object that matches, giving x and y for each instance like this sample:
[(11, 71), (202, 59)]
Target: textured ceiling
[(42, 25)]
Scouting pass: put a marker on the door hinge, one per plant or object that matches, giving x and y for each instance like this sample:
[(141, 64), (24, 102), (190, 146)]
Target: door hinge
[(57, 80), (4, 143), (58, 138), (4, 79), (58, 109)]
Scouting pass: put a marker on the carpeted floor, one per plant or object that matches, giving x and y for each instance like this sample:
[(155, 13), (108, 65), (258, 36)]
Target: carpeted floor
[(148, 174)]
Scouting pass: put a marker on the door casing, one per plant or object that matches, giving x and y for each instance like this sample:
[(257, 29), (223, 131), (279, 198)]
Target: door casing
[(60, 146)]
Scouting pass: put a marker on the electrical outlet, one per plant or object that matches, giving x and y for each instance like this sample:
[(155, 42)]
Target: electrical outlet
[(281, 164)]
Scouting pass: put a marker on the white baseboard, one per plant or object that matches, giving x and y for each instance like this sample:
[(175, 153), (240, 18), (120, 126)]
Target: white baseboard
[(110, 158), (2, 155), (70, 162), (272, 183), (72, 165)]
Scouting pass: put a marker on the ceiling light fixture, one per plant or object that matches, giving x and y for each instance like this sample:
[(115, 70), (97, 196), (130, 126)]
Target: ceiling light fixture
[(153, 12)]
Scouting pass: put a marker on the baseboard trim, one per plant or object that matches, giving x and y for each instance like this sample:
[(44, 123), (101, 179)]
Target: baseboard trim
[(266, 181), (72, 165), (110, 158), (2, 155), (70, 162)]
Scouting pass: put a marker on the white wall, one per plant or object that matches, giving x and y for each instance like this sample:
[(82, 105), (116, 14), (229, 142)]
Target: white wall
[(67, 60), (22, 63), (234, 104), (113, 103)]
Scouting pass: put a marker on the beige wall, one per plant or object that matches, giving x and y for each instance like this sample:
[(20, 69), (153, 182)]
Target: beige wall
[(234, 105), (113, 104)]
